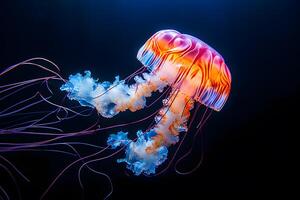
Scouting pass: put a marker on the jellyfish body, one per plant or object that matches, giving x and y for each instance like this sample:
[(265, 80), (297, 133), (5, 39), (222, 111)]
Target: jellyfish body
[(194, 72)]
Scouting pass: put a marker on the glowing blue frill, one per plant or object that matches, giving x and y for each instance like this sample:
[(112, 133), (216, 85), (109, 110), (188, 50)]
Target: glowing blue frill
[(116, 140), (86, 90), (79, 88), (136, 157)]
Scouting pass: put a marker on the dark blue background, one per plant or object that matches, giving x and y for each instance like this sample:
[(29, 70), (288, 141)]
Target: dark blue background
[(247, 142)]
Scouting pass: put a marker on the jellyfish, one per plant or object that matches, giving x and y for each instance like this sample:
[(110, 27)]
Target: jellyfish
[(42, 113), (187, 69)]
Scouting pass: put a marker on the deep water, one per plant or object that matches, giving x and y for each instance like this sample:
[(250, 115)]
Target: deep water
[(246, 144)]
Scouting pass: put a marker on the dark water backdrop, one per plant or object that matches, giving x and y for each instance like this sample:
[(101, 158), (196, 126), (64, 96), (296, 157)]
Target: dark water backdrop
[(247, 144)]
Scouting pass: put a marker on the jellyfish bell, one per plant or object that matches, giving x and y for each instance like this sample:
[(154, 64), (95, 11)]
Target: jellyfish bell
[(189, 65)]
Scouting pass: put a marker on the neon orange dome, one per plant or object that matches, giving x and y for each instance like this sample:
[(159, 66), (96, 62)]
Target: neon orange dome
[(189, 65)]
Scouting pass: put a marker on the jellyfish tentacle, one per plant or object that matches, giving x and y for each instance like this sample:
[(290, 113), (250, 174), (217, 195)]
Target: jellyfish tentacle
[(12, 178), (93, 170), (2, 190), (174, 121), (149, 151), (111, 98), (198, 131), (180, 143), (30, 63)]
